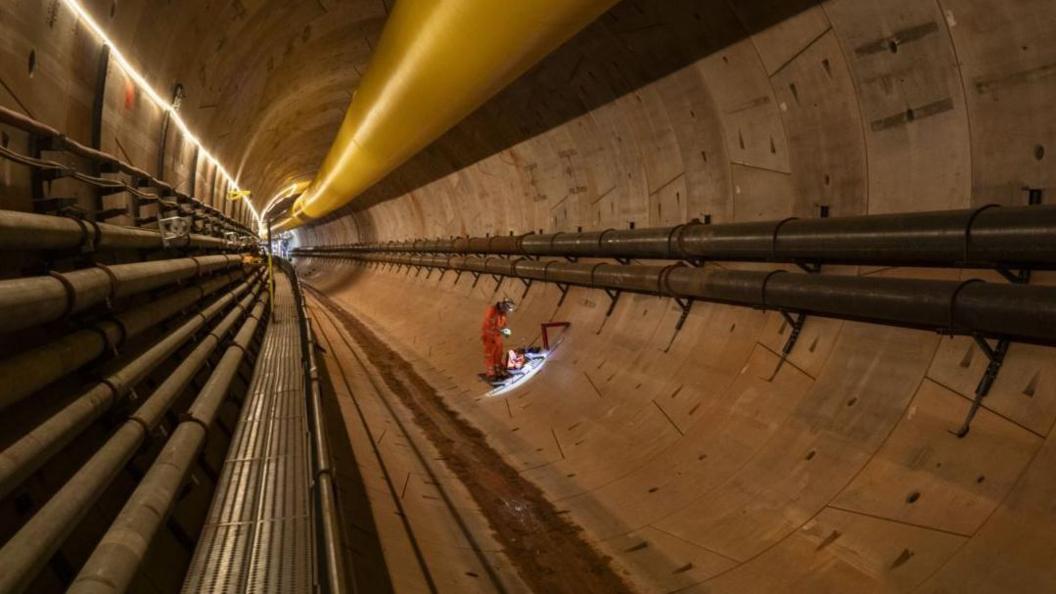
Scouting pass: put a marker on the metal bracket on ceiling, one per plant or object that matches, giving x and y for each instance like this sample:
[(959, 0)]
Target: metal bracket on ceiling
[(458, 276), (498, 283), (476, 278), (440, 278), (428, 273), (527, 285), (996, 356)]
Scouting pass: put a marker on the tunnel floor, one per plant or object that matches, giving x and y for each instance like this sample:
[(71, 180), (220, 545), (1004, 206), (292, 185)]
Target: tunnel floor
[(546, 549)]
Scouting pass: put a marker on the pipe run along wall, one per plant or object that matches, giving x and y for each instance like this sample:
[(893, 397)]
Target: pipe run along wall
[(972, 307), (30, 548), (982, 237), (29, 231), (39, 444), (29, 301)]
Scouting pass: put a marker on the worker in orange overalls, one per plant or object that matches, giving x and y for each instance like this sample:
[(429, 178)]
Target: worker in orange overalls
[(491, 333)]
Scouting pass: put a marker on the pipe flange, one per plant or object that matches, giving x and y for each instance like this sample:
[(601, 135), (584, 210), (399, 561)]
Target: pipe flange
[(601, 238), (674, 240), (71, 293), (98, 233), (82, 244), (187, 417), (113, 283), (141, 423), (663, 287), (115, 390)]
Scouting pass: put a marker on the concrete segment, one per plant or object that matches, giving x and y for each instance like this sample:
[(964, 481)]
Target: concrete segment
[(695, 460)]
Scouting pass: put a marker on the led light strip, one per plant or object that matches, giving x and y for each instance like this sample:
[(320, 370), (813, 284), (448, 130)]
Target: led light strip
[(142, 83)]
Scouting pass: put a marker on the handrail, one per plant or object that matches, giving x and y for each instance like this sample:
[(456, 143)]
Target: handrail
[(327, 527)]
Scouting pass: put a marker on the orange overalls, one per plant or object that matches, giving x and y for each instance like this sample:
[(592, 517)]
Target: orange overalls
[(494, 321)]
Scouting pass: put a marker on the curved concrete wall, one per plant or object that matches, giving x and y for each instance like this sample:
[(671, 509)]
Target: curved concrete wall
[(702, 462), (697, 463)]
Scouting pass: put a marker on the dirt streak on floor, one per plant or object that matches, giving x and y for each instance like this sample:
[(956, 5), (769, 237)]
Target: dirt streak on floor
[(548, 550)]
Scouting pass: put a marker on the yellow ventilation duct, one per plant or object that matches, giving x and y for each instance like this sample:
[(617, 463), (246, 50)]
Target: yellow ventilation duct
[(436, 62)]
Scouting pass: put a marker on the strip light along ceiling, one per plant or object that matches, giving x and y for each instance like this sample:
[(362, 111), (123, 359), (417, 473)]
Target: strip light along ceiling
[(141, 82)]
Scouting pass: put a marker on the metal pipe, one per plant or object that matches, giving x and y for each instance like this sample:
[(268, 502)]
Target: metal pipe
[(337, 578), (1017, 312), (55, 140), (436, 62), (32, 450), (26, 302), (24, 373), (983, 237), (116, 559), (30, 548), (29, 231)]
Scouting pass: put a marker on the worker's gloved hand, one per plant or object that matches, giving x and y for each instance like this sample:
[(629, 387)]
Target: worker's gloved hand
[(506, 332)]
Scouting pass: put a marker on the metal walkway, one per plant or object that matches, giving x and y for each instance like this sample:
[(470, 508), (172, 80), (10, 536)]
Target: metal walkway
[(259, 536)]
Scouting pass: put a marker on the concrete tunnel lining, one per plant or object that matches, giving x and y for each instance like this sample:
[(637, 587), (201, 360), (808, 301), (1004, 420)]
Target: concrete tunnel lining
[(807, 479), (681, 459)]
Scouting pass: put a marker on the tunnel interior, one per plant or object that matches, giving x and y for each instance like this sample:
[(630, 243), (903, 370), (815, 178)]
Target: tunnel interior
[(672, 442)]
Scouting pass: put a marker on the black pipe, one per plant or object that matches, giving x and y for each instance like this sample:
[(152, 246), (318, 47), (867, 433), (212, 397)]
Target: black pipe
[(1018, 312), (989, 236)]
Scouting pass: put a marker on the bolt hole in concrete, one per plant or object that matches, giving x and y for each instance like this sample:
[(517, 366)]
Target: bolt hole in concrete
[(1039, 152), (913, 497)]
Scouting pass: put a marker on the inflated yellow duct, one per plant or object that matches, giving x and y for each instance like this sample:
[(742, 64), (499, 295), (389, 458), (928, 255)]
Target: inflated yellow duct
[(436, 62)]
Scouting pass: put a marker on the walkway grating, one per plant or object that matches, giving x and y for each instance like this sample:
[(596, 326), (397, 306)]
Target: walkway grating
[(259, 534)]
